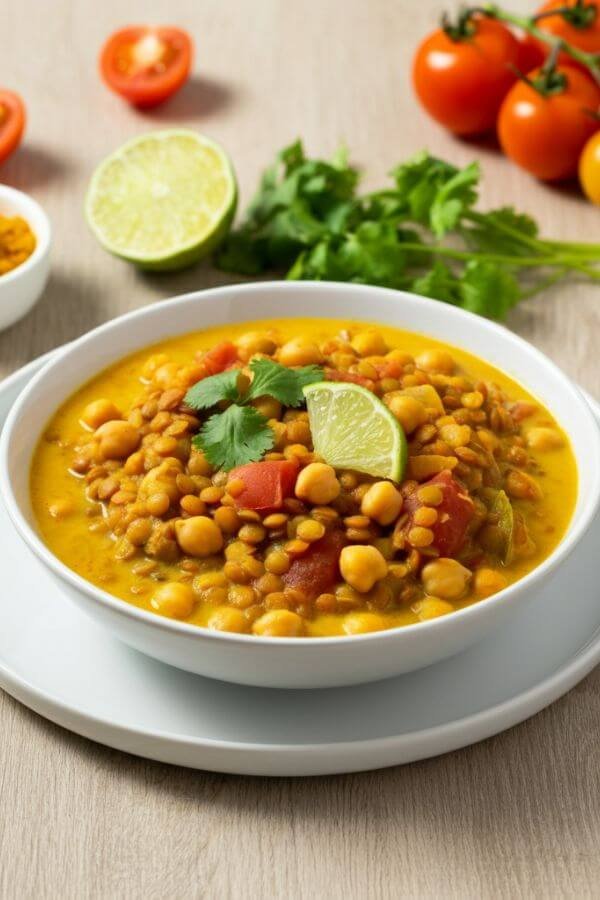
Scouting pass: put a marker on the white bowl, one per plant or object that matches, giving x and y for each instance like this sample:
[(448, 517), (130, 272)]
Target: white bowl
[(22, 287), (295, 662)]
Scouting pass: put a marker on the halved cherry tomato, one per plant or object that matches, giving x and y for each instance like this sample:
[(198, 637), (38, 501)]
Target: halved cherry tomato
[(12, 122), (545, 134), (317, 570), (462, 75), (454, 513), (146, 65), (589, 169), (579, 27), (220, 358), (266, 484)]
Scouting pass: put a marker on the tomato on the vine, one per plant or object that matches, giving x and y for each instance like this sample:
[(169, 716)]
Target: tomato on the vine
[(145, 65), (531, 53), (578, 26), (545, 121), (12, 122), (462, 73), (589, 169)]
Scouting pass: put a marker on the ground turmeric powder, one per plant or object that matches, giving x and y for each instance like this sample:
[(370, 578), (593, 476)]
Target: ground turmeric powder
[(17, 242)]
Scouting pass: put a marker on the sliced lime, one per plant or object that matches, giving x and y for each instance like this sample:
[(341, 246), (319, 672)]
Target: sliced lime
[(352, 429), (162, 200)]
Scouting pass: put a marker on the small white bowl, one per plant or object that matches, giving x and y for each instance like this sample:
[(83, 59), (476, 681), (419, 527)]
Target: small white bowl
[(22, 287), (295, 662)]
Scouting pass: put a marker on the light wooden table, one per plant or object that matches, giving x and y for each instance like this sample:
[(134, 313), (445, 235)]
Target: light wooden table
[(516, 816)]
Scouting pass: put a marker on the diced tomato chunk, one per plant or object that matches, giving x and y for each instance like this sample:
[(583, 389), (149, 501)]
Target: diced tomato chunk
[(220, 357), (391, 368), (266, 484), (454, 513), (337, 375), (317, 571)]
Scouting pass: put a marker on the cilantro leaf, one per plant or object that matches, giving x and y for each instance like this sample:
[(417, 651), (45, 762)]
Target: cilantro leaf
[(488, 290), (273, 380), (439, 283), (210, 391), (234, 437), (452, 199)]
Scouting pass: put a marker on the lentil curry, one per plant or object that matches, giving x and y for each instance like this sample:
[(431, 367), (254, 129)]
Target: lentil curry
[(288, 546)]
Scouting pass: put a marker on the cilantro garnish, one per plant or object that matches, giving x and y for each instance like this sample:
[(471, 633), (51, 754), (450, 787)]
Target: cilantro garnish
[(240, 434), (309, 221)]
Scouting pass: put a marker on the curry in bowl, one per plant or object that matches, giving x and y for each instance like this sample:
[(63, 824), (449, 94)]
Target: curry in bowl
[(185, 479)]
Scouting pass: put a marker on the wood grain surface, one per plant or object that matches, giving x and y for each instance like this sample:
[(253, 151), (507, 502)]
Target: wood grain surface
[(516, 816)]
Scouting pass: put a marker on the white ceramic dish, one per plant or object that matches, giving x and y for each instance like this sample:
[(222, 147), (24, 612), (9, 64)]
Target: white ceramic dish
[(56, 661), (296, 662), (22, 287)]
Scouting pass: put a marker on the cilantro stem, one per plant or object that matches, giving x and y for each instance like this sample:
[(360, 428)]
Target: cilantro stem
[(545, 283), (517, 261)]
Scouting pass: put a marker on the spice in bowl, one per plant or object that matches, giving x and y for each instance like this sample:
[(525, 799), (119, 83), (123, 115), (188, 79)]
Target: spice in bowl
[(17, 242)]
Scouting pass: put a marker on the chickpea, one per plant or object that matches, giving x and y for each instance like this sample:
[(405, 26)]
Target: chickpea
[(279, 623), (363, 622), (299, 352), (456, 435), (60, 508), (157, 504), (255, 342), (436, 361), (382, 502), (409, 412), (174, 599), (543, 439), (488, 582), (98, 412), (369, 343), (432, 608), (241, 596), (199, 536), (445, 578), (198, 464), (117, 439), (318, 484), (361, 566), (268, 407), (226, 619)]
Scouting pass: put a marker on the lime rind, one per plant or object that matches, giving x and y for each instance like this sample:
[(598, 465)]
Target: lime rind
[(163, 200), (352, 429)]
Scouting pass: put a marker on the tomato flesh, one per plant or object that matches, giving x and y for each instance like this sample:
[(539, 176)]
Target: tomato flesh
[(454, 514), (351, 377), (461, 83), (12, 123), (146, 65), (220, 358), (266, 484), (317, 571)]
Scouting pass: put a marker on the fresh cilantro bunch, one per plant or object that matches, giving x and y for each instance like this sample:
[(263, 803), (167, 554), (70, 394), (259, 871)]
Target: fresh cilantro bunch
[(239, 433), (421, 233)]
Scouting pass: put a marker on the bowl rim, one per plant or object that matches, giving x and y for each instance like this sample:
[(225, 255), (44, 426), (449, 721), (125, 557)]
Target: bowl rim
[(577, 525), (25, 204)]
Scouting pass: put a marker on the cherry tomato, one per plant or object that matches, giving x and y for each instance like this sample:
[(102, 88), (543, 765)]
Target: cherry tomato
[(146, 65), (581, 27), (461, 81), (266, 484), (221, 357), (545, 134), (12, 122), (589, 169), (532, 53)]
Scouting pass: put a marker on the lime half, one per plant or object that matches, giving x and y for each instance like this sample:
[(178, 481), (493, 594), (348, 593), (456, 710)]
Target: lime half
[(163, 200), (352, 429)]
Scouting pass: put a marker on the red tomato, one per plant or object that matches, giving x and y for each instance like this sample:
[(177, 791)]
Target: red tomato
[(532, 53), (454, 514), (462, 81), (12, 122), (545, 134), (146, 65), (220, 358), (317, 570), (266, 484), (581, 27)]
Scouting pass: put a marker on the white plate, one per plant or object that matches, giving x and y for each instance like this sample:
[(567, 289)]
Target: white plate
[(97, 687)]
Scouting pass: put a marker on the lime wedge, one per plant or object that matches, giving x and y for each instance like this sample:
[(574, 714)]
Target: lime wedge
[(352, 429), (162, 200)]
